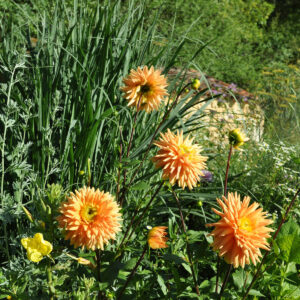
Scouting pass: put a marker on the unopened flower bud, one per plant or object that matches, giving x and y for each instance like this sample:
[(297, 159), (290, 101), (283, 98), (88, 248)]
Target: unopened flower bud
[(196, 84), (28, 214), (236, 138)]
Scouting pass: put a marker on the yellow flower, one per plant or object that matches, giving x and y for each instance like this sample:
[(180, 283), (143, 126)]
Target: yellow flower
[(90, 218), (241, 231), (145, 88), (180, 159), (236, 138), (36, 247), (157, 237)]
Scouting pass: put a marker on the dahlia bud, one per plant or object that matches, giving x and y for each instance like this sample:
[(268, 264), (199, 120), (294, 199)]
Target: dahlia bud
[(195, 84), (236, 138)]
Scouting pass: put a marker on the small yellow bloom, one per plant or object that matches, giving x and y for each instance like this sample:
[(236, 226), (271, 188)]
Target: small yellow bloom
[(196, 84), (36, 247), (236, 138)]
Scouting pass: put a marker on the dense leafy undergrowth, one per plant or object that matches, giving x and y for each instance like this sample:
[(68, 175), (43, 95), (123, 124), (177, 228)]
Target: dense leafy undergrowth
[(65, 125)]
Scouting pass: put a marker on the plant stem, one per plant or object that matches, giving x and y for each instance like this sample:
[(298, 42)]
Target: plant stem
[(128, 150), (132, 272), (98, 260), (187, 244), (271, 243), (225, 280), (156, 131), (225, 194), (139, 219), (227, 171), (119, 169), (50, 282)]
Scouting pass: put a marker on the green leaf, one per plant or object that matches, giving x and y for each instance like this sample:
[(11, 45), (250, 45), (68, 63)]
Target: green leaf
[(239, 278), (289, 242), (141, 186), (256, 293), (162, 285), (174, 258)]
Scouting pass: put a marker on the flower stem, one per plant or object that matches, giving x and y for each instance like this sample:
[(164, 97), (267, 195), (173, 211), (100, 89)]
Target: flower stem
[(119, 169), (225, 194), (271, 243), (128, 150), (156, 131), (187, 243), (227, 171), (132, 272), (140, 218), (225, 280), (98, 267), (50, 282)]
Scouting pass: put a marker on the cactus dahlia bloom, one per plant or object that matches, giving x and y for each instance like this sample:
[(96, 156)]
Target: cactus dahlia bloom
[(90, 218), (180, 159), (241, 231), (144, 88), (157, 237)]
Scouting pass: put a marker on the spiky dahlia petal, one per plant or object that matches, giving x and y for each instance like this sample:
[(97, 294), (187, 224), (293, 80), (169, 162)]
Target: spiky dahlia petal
[(90, 218), (145, 88), (157, 237), (241, 231), (180, 159)]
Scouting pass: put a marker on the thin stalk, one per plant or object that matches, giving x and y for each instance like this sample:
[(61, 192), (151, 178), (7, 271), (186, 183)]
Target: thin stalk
[(142, 215), (132, 272), (187, 244), (98, 261), (50, 282), (227, 171), (225, 280), (128, 150), (271, 243), (225, 194), (119, 169), (157, 129)]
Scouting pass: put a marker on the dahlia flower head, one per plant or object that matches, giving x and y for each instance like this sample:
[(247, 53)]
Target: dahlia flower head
[(90, 218), (241, 231), (145, 88), (180, 159), (36, 247), (157, 237)]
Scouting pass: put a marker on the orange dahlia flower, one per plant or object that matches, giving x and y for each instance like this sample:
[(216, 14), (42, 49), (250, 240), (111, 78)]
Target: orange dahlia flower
[(180, 159), (157, 237), (145, 87), (241, 231), (90, 218)]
